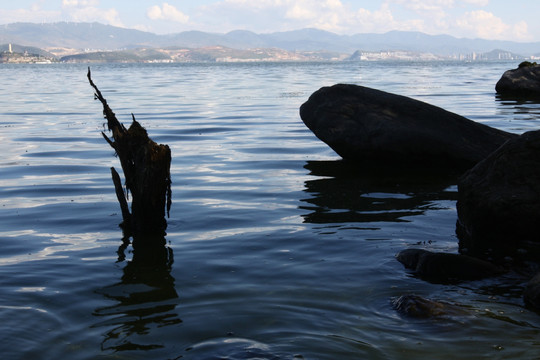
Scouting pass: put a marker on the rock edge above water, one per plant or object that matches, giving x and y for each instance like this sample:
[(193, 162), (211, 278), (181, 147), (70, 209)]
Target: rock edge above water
[(365, 124)]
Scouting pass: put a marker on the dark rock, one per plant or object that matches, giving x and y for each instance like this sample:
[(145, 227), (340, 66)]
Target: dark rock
[(523, 81), (364, 124), (419, 307), (531, 295), (499, 202), (446, 268)]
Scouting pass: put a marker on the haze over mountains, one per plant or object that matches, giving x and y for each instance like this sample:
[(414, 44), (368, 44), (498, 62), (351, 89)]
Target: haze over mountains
[(105, 37)]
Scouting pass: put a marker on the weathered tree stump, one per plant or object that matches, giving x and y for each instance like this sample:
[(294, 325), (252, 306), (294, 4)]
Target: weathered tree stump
[(146, 167)]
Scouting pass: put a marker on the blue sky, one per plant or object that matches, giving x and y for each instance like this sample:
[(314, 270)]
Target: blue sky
[(490, 19)]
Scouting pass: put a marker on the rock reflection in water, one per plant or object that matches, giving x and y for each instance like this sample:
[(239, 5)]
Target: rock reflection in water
[(524, 112), (146, 298), (350, 192)]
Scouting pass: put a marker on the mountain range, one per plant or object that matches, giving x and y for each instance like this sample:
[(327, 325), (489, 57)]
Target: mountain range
[(98, 36)]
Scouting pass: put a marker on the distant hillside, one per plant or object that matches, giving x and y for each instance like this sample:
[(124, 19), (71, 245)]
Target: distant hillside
[(498, 54), (74, 35), (204, 54), (102, 56), (105, 37), (31, 50)]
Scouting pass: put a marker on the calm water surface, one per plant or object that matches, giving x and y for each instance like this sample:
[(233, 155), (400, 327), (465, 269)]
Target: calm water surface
[(277, 250)]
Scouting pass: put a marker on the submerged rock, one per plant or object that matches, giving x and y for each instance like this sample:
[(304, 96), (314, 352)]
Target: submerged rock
[(419, 307), (374, 126), (499, 202), (445, 267), (523, 81)]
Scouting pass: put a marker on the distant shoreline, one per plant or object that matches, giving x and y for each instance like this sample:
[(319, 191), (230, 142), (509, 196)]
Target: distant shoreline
[(220, 54), (96, 42)]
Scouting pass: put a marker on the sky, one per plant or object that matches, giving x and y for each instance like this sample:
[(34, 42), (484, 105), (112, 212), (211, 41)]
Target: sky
[(515, 20)]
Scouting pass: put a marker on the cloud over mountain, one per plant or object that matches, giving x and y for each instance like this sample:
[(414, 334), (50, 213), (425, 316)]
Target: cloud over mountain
[(166, 12), (515, 20), (106, 37)]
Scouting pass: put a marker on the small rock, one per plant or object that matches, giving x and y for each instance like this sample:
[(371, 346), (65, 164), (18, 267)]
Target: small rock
[(523, 81), (447, 268), (419, 307)]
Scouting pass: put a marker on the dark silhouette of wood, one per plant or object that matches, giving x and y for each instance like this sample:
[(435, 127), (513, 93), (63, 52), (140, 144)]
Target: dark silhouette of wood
[(121, 196), (146, 167)]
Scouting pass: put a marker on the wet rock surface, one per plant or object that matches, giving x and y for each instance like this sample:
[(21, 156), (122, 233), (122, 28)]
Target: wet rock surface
[(369, 125), (531, 295), (420, 307), (445, 267), (499, 203), (523, 81)]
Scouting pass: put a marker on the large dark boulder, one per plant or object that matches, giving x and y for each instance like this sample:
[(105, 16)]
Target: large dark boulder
[(523, 81), (499, 202), (369, 125)]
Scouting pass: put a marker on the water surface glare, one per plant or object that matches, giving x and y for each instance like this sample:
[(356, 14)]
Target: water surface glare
[(276, 249)]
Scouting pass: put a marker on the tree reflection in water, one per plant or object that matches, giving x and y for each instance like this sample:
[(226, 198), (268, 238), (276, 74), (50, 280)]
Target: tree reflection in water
[(146, 298)]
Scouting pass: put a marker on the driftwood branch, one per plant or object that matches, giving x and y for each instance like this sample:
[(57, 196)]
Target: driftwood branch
[(121, 196), (146, 167)]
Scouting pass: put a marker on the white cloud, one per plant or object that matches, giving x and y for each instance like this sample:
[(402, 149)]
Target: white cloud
[(154, 12), (380, 20), (327, 14), (72, 10), (521, 31), (333, 15), (477, 2), (451, 16), (438, 5), (483, 24), (256, 5), (486, 25), (340, 16), (426, 5), (89, 11), (465, 18), (79, 3), (36, 15), (90, 14), (300, 13), (166, 12)]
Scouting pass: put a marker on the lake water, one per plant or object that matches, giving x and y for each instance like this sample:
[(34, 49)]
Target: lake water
[(278, 250)]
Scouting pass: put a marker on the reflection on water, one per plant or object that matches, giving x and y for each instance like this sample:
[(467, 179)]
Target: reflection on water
[(286, 252), (233, 348), (529, 102), (523, 112), (146, 298), (345, 192)]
